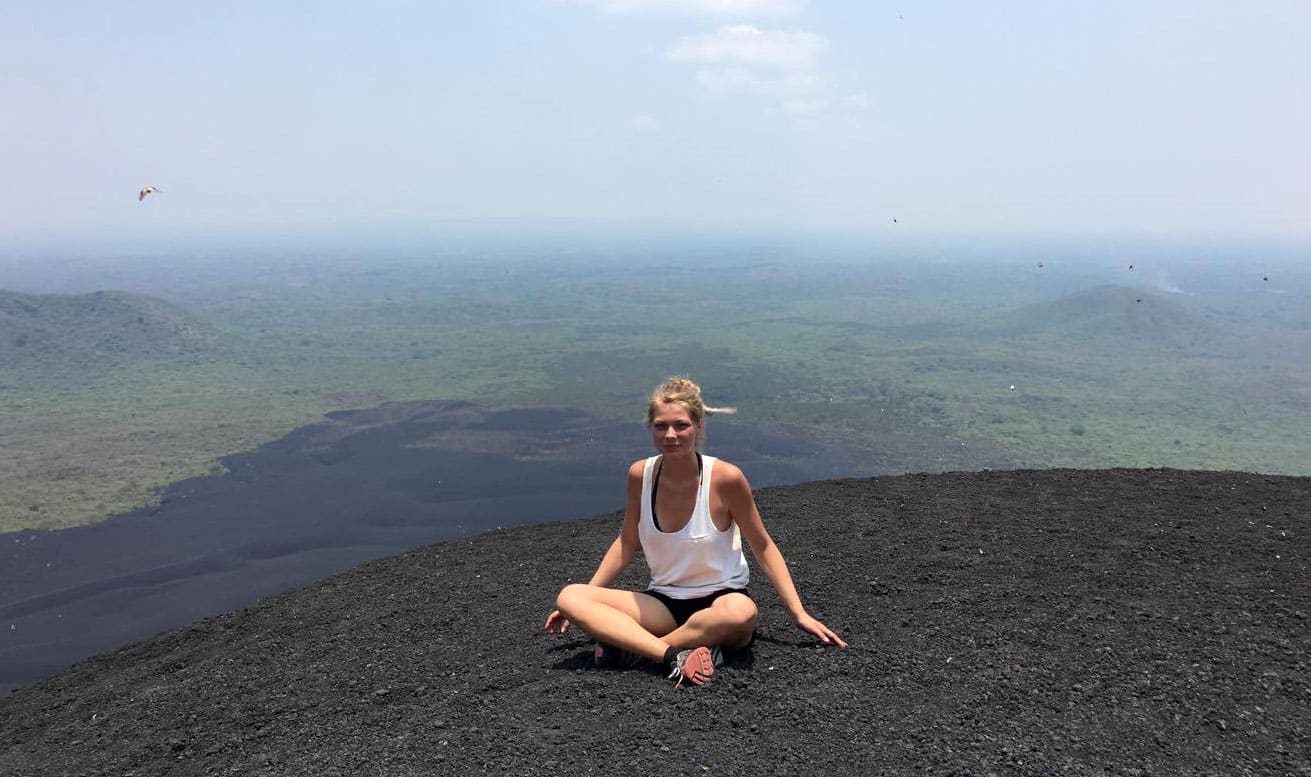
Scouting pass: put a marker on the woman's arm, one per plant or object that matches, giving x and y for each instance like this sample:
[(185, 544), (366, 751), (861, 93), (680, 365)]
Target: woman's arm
[(621, 552), (742, 509), (624, 548)]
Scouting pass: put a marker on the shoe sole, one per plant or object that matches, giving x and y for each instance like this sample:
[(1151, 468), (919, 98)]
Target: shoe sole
[(698, 668)]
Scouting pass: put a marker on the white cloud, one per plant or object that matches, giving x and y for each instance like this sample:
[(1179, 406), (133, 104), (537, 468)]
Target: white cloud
[(745, 44), (738, 8), (779, 64)]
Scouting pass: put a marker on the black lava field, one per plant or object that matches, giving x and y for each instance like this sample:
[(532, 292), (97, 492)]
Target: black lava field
[(1149, 622)]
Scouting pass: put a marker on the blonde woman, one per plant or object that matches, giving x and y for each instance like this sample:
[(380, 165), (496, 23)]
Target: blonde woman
[(688, 512)]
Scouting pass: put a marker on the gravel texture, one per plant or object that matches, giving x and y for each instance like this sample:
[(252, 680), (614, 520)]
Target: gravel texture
[(1032, 622)]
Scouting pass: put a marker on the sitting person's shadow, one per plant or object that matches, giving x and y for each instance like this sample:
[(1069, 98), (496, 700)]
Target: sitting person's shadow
[(582, 657)]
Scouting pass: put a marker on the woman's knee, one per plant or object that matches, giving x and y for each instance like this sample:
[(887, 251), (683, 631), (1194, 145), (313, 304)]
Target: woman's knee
[(738, 611), (731, 615), (567, 598), (571, 596)]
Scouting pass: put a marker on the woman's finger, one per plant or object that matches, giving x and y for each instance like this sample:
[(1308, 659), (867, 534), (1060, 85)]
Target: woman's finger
[(834, 637), (825, 634)]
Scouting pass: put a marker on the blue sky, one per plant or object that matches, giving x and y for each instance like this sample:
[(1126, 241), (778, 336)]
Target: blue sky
[(961, 118)]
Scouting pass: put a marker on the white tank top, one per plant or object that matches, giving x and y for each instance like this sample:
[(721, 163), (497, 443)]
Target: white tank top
[(698, 559)]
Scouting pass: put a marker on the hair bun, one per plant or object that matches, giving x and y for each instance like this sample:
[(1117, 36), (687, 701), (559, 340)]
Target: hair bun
[(683, 391), (679, 383)]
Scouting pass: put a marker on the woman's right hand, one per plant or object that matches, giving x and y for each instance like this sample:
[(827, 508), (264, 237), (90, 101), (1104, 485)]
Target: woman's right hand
[(556, 618)]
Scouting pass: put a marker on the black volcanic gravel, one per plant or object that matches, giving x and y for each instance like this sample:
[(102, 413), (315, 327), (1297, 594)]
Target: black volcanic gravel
[(1054, 622)]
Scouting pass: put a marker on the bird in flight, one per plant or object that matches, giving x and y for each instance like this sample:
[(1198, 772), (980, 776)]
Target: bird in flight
[(141, 195)]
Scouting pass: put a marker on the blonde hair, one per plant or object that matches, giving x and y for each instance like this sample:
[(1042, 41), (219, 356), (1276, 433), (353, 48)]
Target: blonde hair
[(683, 392)]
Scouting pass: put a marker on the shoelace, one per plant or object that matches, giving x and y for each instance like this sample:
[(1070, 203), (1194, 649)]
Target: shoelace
[(676, 674)]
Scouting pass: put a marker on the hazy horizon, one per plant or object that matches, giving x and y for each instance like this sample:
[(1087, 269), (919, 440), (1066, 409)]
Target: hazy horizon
[(523, 234)]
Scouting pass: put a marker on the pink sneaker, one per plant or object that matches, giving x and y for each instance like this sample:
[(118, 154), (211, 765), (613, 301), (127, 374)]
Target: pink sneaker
[(696, 666)]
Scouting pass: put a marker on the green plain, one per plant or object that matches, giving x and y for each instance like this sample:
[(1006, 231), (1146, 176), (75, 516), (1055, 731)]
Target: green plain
[(911, 362)]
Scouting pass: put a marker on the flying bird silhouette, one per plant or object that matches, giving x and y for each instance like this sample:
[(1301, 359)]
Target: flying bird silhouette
[(141, 195)]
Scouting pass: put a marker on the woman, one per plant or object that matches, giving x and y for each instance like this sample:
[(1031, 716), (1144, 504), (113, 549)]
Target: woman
[(688, 512)]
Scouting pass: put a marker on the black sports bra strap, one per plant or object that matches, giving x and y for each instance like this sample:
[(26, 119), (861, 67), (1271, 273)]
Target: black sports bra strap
[(655, 486)]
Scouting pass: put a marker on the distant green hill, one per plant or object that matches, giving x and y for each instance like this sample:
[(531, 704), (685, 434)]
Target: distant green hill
[(91, 331), (1112, 315)]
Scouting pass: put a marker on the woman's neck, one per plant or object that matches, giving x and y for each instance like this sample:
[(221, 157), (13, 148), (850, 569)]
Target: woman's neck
[(683, 465)]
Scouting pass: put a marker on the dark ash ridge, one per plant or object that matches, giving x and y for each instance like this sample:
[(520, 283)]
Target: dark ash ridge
[(1052, 622)]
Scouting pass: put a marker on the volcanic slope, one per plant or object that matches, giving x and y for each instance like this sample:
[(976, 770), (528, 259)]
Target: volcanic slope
[(1028, 622), (1112, 315), (72, 333)]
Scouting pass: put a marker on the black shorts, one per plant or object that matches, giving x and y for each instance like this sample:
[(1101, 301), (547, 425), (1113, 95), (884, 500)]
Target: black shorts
[(682, 609)]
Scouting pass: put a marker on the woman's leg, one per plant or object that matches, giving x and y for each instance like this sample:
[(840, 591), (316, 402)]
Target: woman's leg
[(728, 622), (626, 619)]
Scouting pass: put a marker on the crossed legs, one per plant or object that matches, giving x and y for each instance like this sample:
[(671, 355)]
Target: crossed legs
[(635, 621)]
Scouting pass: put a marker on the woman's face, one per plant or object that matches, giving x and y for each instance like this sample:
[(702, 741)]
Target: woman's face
[(672, 430)]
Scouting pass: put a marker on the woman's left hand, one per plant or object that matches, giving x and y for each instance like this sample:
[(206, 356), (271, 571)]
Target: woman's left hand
[(557, 620), (808, 624)]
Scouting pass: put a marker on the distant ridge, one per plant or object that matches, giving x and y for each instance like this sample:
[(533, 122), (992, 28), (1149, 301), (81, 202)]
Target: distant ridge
[(1110, 312), (96, 330)]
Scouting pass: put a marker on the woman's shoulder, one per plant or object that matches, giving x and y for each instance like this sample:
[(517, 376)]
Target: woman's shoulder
[(727, 472), (637, 468)]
